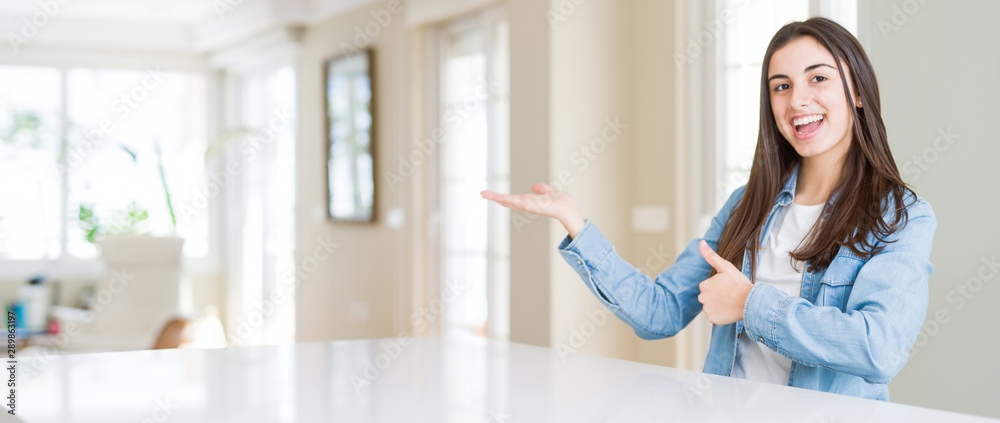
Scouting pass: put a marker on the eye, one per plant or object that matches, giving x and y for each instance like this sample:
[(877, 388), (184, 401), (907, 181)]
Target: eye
[(819, 78), (781, 87)]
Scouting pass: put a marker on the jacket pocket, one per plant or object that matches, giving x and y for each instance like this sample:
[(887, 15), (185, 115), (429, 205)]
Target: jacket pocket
[(838, 281)]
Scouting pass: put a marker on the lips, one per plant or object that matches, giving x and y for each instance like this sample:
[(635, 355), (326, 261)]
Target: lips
[(806, 126)]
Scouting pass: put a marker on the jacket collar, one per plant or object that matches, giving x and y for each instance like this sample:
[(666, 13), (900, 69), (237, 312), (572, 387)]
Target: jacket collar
[(787, 194)]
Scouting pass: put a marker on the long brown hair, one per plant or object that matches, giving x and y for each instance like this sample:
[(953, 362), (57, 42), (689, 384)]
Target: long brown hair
[(868, 175)]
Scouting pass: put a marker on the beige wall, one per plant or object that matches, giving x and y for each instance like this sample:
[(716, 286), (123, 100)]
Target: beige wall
[(654, 156), (610, 60), (937, 71), (530, 123), (353, 294), (592, 79)]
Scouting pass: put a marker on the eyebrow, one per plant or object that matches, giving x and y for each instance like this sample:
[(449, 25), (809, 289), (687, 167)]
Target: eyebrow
[(808, 68)]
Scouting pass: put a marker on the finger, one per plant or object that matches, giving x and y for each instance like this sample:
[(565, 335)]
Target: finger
[(507, 202), (716, 261), (494, 196), (489, 195), (515, 202), (511, 206), (542, 188)]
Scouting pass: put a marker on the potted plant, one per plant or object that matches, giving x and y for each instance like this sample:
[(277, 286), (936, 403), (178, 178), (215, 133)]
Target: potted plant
[(140, 289), (122, 238)]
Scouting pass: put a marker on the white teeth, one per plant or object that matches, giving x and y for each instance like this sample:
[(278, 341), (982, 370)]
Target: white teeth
[(807, 119)]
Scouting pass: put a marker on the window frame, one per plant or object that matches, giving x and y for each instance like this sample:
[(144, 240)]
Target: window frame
[(498, 305), (255, 64)]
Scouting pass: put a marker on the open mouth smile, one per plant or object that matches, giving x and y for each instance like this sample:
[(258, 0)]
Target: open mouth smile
[(807, 126)]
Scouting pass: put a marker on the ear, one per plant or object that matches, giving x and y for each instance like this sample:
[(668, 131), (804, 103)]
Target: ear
[(857, 102)]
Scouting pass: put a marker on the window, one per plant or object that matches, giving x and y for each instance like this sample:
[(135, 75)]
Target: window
[(31, 102), (260, 202), (95, 138), (474, 102), (742, 54)]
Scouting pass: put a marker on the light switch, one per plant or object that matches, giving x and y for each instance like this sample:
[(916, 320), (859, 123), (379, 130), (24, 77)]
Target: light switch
[(395, 217), (650, 219)]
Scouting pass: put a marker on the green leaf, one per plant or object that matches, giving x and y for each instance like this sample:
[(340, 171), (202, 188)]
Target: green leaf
[(130, 153)]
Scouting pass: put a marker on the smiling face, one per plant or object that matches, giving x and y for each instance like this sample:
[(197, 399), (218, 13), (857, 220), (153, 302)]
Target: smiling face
[(808, 100)]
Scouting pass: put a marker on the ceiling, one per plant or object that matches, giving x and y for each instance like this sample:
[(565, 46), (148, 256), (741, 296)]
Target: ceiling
[(151, 11), (177, 26)]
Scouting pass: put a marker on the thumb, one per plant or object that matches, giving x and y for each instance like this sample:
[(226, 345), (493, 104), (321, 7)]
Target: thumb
[(720, 264), (542, 188)]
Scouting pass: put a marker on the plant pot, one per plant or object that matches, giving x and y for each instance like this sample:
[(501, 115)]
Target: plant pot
[(141, 249), (140, 290)]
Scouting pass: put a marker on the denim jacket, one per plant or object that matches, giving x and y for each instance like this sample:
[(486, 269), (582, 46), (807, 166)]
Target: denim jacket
[(849, 332)]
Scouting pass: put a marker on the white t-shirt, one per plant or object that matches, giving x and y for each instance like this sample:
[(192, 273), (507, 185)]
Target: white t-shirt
[(756, 361)]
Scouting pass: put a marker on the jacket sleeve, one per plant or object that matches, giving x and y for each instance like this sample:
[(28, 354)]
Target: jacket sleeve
[(884, 313), (653, 308)]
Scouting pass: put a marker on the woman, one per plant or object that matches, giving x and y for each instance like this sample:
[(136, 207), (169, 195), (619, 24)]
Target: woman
[(820, 280)]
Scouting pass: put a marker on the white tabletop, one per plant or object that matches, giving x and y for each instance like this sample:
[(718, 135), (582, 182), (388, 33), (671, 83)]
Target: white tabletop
[(426, 380)]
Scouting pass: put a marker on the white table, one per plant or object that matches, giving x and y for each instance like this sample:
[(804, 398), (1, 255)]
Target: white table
[(427, 380)]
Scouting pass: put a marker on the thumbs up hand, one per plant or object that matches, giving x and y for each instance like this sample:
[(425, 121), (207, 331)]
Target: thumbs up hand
[(723, 295)]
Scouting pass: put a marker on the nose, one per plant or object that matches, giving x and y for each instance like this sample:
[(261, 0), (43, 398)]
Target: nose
[(801, 98)]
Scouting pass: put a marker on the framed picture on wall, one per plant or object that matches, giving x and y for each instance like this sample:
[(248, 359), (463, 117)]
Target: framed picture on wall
[(350, 134)]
